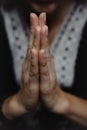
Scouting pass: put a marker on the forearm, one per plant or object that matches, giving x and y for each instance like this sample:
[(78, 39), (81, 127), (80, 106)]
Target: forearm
[(12, 107), (77, 109), (73, 107)]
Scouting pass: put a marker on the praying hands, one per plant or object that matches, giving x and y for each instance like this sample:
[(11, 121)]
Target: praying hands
[(39, 81), (38, 74)]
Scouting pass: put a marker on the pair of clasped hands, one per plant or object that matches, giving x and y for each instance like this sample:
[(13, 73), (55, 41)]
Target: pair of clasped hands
[(39, 82)]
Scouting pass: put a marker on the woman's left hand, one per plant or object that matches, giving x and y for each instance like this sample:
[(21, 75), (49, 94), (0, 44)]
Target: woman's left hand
[(51, 95)]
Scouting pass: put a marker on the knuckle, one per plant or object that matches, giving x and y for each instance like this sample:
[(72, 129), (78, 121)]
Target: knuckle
[(25, 72), (43, 61), (53, 81), (24, 66), (25, 79), (28, 55), (36, 44), (33, 71), (33, 77), (44, 71), (43, 64), (33, 63), (33, 66)]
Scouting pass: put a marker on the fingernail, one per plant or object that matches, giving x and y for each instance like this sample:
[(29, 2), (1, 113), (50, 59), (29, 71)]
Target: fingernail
[(44, 14), (31, 14)]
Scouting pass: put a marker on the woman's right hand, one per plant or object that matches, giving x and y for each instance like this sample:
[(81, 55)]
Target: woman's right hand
[(27, 98), (29, 92)]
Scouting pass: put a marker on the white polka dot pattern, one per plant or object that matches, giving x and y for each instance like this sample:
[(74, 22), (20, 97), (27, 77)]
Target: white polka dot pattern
[(17, 39), (64, 47), (65, 52)]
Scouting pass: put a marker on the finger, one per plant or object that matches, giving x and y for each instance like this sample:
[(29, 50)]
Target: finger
[(36, 42), (44, 72), (47, 72), (44, 39), (29, 64), (33, 24), (42, 19), (33, 72), (33, 21)]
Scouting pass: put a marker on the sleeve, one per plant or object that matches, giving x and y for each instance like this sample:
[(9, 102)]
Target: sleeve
[(80, 84), (8, 85)]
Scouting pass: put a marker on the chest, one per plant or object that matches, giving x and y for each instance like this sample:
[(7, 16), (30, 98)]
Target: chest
[(64, 48)]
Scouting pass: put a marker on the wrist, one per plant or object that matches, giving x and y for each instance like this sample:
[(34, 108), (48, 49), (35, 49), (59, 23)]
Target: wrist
[(11, 108), (63, 103)]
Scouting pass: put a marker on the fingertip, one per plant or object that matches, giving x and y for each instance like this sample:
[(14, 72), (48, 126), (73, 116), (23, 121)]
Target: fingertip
[(42, 19), (33, 15), (43, 15), (33, 19)]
